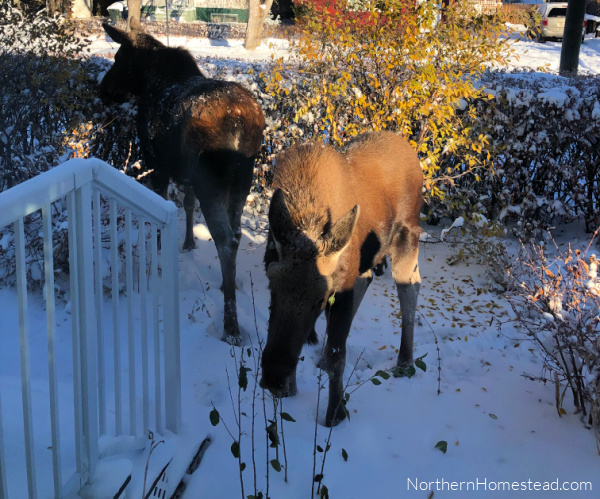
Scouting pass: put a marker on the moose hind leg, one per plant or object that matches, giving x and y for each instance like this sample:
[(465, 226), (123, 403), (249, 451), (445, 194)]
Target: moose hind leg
[(215, 213), (239, 191), (408, 294), (189, 204), (405, 269)]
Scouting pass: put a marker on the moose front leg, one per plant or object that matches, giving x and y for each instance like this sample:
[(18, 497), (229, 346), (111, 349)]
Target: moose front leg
[(339, 320)]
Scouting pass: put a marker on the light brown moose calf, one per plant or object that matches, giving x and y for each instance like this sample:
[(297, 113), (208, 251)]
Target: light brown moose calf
[(333, 217)]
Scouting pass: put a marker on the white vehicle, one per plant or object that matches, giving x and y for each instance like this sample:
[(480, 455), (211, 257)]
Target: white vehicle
[(553, 21)]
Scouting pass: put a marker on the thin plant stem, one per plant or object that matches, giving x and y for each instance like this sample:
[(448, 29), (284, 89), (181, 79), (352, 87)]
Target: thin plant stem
[(153, 446), (266, 440), (285, 461), (314, 468)]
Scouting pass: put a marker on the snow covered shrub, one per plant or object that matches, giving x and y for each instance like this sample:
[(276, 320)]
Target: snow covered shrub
[(390, 65), (45, 92), (547, 167), (558, 305)]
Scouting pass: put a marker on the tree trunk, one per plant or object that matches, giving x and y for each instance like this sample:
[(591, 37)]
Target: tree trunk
[(53, 7), (134, 9), (257, 13), (81, 8), (569, 54)]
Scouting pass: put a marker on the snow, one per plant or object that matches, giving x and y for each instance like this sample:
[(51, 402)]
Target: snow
[(499, 425)]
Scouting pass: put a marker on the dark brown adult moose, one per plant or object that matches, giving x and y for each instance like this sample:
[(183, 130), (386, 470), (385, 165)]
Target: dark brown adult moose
[(333, 217), (203, 133)]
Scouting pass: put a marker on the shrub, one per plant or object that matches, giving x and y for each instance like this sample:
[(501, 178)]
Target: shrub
[(390, 66), (558, 305), (547, 167), (48, 90)]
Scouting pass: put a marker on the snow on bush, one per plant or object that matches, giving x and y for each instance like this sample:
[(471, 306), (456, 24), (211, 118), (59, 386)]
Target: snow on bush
[(544, 136), (557, 302), (48, 91)]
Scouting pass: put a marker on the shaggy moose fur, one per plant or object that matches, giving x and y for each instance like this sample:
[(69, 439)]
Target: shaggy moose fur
[(203, 133), (333, 217)]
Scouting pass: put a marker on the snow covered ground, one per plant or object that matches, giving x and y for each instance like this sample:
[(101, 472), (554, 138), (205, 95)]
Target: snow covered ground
[(499, 426), (530, 54)]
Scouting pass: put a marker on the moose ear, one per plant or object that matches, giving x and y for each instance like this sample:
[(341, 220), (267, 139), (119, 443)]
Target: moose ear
[(339, 235), (118, 35), (280, 219)]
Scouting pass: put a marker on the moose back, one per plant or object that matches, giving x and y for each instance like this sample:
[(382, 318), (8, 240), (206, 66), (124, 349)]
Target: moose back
[(203, 133), (333, 217)]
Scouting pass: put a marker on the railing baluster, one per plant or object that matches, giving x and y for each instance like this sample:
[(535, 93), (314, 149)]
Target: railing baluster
[(115, 266), (155, 287), (76, 330), (170, 279), (3, 482), (99, 296), (87, 322), (21, 268), (51, 329), (130, 331), (144, 322)]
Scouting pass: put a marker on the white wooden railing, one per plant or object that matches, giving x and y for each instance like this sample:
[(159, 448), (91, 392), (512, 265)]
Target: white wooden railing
[(151, 397)]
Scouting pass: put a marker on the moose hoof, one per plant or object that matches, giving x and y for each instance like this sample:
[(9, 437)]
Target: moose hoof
[(291, 388), (334, 418), (403, 364), (290, 392), (233, 339), (324, 364), (189, 245)]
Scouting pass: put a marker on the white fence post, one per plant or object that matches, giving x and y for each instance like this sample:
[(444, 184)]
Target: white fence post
[(25, 361), (3, 482), (51, 329), (87, 324), (170, 277), (76, 332)]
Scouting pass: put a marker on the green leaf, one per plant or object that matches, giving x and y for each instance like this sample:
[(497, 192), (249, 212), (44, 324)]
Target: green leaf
[(214, 417), (375, 381), (421, 365), (235, 449), (344, 454), (331, 300), (286, 417), (442, 445), (383, 374), (242, 466), (276, 465)]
